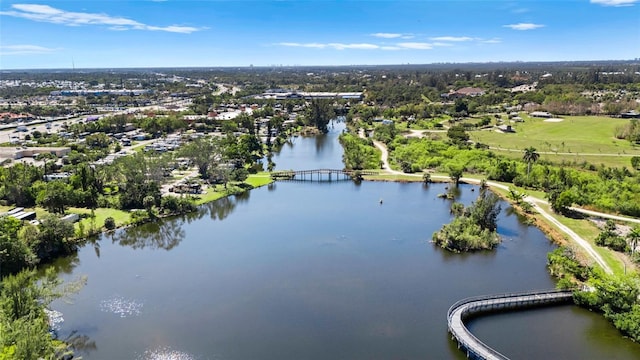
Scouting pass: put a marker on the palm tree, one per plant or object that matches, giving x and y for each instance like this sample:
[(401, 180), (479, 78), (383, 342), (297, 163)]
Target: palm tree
[(633, 237), (530, 156)]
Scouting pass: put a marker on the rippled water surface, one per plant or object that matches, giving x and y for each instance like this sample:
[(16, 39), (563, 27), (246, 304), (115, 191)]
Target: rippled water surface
[(301, 270)]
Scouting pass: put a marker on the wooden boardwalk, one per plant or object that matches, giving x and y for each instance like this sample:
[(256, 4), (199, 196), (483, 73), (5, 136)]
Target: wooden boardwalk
[(320, 174), (458, 312)]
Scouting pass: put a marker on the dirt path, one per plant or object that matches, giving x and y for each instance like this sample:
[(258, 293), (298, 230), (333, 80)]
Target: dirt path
[(563, 153), (530, 199)]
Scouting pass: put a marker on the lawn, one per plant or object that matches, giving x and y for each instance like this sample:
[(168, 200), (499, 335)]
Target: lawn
[(259, 179), (210, 194), (121, 217), (567, 140)]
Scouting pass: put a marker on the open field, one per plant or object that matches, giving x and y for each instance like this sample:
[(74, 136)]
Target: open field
[(577, 138), (121, 217), (260, 179), (572, 159)]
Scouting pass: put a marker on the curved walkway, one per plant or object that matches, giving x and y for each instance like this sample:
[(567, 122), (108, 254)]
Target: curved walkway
[(471, 306), (532, 200)]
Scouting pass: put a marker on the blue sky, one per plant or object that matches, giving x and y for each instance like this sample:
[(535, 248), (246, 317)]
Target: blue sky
[(172, 33)]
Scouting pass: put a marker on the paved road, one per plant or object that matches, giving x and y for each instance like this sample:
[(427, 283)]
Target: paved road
[(532, 200)]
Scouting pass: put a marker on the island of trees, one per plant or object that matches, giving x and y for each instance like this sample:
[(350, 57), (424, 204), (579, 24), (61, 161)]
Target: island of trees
[(474, 227)]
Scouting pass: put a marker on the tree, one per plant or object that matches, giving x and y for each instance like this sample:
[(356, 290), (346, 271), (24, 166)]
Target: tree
[(16, 183), (204, 152), (473, 228), (561, 201), (530, 156), (635, 162), (24, 327), (138, 177), (109, 223), (485, 210), (455, 173), (458, 135), (55, 196), (320, 112), (55, 237), (456, 209), (633, 237), (15, 254), (516, 195)]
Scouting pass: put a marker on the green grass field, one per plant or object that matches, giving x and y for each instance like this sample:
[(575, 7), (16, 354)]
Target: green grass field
[(576, 139), (121, 217), (260, 179)]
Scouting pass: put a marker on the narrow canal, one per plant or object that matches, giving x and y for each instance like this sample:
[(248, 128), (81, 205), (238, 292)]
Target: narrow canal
[(316, 271)]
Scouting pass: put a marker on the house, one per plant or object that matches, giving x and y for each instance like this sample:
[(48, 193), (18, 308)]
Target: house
[(630, 115), (20, 214), (19, 153), (71, 218), (540, 114), (57, 176), (9, 117), (506, 128)]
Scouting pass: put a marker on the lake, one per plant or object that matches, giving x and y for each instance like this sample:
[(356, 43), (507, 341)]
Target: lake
[(302, 270)]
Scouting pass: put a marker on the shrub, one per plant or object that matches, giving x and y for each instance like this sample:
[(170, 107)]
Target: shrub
[(109, 223)]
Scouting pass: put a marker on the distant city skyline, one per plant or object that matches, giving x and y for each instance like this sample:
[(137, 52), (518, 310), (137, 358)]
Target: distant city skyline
[(207, 33)]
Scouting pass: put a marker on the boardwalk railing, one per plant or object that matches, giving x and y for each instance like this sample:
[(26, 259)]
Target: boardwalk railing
[(465, 308), (320, 174)]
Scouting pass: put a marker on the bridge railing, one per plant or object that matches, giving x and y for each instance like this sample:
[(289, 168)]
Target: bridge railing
[(459, 303), (474, 342), (290, 174)]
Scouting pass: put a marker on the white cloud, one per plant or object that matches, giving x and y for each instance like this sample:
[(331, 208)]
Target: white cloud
[(46, 13), (173, 28), (387, 35), (524, 26), (614, 2), (362, 46), (24, 50), (451, 38), (491, 41), (365, 46), (415, 45), (393, 36), (336, 46), (307, 45)]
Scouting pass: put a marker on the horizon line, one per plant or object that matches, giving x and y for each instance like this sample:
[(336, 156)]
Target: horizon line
[(75, 69)]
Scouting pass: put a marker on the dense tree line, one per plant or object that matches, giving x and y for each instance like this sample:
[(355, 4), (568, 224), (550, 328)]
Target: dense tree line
[(25, 330), (23, 245)]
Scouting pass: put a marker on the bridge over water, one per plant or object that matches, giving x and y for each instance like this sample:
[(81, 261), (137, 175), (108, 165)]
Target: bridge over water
[(320, 174), (458, 312)]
